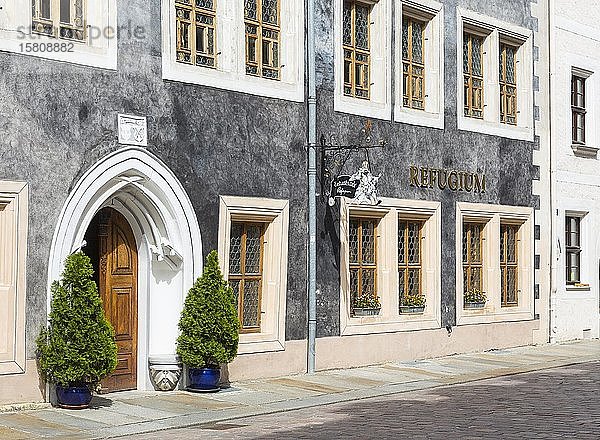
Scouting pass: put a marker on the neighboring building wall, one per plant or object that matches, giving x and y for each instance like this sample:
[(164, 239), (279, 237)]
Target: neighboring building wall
[(575, 52)]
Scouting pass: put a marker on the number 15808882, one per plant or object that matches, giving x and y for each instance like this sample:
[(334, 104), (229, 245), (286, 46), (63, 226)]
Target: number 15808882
[(46, 47)]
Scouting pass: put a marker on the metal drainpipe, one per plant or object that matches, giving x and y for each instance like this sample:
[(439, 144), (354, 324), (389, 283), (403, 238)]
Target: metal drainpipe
[(312, 187), (552, 283)]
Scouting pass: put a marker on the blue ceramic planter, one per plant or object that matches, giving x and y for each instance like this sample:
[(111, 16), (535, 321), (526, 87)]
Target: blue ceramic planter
[(204, 378), (73, 397)]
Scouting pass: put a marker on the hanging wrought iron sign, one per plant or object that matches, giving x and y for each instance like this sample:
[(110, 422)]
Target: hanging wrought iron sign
[(360, 187)]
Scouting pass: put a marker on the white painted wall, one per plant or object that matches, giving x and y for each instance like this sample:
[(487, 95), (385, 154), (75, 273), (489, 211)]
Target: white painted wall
[(575, 39)]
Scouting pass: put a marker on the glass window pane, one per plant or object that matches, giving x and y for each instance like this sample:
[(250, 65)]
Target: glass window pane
[(405, 27), (401, 242), (253, 248), (235, 249), (417, 41), (353, 241), (476, 56), (347, 23), (368, 242), (45, 9), (65, 11), (270, 12), (250, 9), (251, 303), (368, 281), (235, 286), (414, 281), (361, 27), (414, 249)]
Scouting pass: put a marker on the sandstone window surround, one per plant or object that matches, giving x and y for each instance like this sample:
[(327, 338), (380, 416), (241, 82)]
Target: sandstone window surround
[(372, 97), (491, 219), (264, 329), (506, 100), (388, 217), (13, 250), (233, 55), (414, 16), (75, 31)]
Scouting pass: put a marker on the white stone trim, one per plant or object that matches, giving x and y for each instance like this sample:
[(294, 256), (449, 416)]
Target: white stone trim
[(389, 319), (13, 229), (380, 104), (433, 115), (230, 73), (15, 25), (494, 31), (153, 201), (492, 216), (275, 261)]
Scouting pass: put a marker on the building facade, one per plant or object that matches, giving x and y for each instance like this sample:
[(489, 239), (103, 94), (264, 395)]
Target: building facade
[(575, 303), (149, 133)]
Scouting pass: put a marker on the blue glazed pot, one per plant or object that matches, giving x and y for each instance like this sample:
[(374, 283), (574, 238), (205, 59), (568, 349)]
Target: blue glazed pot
[(73, 397), (204, 378)]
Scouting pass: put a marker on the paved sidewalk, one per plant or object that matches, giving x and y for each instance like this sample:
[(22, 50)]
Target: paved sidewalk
[(135, 412)]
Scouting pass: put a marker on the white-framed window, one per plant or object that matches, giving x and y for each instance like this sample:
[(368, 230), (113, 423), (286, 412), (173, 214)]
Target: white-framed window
[(253, 250), (495, 77), (75, 31), (13, 248), (419, 64), (583, 113), (393, 251), (362, 59), (494, 248), (249, 46), (576, 250)]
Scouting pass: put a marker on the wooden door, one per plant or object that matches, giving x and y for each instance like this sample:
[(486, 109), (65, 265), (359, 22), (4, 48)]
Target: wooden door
[(118, 289)]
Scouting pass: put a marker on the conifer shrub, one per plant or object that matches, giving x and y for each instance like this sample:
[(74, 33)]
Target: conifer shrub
[(209, 322), (78, 347)]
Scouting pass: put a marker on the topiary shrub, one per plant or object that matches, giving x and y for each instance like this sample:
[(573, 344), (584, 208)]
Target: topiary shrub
[(78, 347), (209, 322)]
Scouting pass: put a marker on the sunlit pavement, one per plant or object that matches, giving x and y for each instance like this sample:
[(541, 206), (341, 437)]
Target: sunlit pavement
[(420, 399)]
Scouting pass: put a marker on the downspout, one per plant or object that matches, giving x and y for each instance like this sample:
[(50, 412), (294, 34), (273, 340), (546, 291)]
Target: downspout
[(312, 188)]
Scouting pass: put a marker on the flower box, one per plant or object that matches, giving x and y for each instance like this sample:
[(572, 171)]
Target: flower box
[(474, 305), (405, 310), (365, 311)]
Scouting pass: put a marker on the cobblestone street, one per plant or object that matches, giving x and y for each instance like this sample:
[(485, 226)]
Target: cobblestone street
[(556, 403)]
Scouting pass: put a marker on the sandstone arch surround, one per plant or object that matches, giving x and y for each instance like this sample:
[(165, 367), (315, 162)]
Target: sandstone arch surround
[(147, 193)]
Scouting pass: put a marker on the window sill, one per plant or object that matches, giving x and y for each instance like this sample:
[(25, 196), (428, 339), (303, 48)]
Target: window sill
[(265, 346), (418, 117), (362, 107), (585, 151), (578, 288), (495, 128), (232, 81)]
